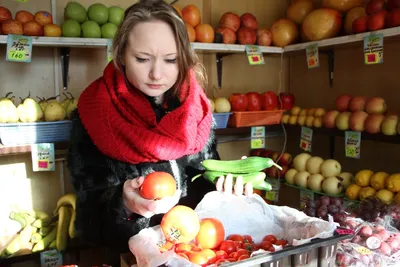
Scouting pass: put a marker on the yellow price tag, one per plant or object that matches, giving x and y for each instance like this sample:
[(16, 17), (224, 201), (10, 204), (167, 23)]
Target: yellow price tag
[(255, 59), (363, 250), (271, 195), (22, 1), (373, 49), (257, 143), (254, 55), (351, 151), (17, 55)]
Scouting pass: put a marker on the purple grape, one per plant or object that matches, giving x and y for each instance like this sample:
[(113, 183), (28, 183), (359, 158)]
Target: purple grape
[(322, 212), (339, 217), (324, 200), (336, 201), (332, 209), (310, 204), (310, 212), (317, 204)]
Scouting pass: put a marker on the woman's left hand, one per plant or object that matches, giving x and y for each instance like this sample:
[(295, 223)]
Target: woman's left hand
[(225, 184)]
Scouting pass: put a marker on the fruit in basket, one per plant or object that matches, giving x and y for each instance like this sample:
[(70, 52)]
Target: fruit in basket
[(191, 14), (246, 36), (366, 192), (98, 13), (298, 10), (254, 101), (385, 196), (353, 191), (212, 104), (332, 185), (12, 27), (329, 119), (75, 11), (357, 120), (71, 28), (300, 161), (330, 167), (238, 102), (269, 100), (180, 224), (32, 28), (342, 5), (313, 164), (322, 23), (8, 111), (363, 177), (315, 182), (389, 125), (351, 16), (23, 16), (374, 6), (284, 32), (158, 185), (392, 183), (373, 123), (343, 120), (264, 37), (230, 20), (377, 21), (342, 102), (347, 178), (54, 112), (289, 176), (211, 233), (29, 110), (378, 180), (5, 14), (222, 105), (301, 179), (360, 24)]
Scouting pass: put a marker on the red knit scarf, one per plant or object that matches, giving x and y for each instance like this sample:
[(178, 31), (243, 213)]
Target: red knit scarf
[(122, 124)]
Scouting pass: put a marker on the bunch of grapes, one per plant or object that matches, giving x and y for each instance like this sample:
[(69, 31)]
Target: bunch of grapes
[(324, 206), (372, 208)]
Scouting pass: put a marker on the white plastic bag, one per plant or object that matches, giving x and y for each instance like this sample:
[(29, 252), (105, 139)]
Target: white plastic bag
[(239, 215)]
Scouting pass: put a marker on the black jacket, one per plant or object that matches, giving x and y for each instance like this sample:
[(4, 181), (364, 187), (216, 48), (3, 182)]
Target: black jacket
[(98, 181)]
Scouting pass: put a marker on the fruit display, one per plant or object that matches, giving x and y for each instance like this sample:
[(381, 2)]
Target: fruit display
[(372, 208), (318, 174), (254, 101), (39, 23), (97, 21), (382, 185), (310, 117), (326, 206), (30, 110), (41, 231), (284, 160), (220, 105)]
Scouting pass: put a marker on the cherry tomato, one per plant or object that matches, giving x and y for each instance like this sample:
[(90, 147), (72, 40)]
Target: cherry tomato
[(270, 238), (248, 246), (180, 224), (241, 252), (211, 233), (271, 249), (265, 245), (243, 257), (281, 242), (221, 254), (157, 185), (238, 244), (235, 237), (228, 246), (247, 239)]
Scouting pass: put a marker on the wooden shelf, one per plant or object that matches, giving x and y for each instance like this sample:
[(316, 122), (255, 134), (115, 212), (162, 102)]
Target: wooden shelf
[(395, 139), (246, 130), (23, 149)]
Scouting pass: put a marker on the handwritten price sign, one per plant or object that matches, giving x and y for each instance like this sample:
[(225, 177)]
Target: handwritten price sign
[(19, 48), (352, 144), (254, 55)]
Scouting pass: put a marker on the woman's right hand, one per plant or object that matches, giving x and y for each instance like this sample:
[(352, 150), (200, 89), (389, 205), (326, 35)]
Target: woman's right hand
[(135, 203)]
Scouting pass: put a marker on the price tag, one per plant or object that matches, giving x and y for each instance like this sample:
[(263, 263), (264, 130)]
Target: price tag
[(312, 56), (373, 49), (306, 138), (304, 197), (257, 137), (50, 258), (272, 195), (254, 55), (363, 250), (21, 1), (43, 157), (342, 231), (352, 144), (109, 51), (19, 48)]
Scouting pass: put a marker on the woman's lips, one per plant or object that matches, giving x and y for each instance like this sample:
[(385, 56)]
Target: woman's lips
[(154, 86)]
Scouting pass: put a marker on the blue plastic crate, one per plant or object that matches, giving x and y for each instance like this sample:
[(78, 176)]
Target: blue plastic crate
[(222, 119), (34, 133)]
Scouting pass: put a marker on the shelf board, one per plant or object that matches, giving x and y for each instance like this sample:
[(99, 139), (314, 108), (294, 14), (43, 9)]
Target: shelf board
[(23, 149), (354, 38), (102, 43), (395, 139), (246, 130)]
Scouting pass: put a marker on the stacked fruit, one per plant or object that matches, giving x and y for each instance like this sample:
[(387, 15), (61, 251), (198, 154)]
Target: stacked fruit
[(317, 174), (39, 231), (97, 22), (30, 110), (27, 23), (326, 206), (284, 161), (310, 117), (254, 101), (381, 185), (219, 105), (360, 113)]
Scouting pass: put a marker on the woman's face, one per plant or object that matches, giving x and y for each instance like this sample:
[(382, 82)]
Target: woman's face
[(151, 58)]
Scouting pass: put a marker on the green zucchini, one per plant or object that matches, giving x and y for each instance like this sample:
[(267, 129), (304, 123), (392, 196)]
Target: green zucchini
[(247, 165), (263, 185), (213, 176)]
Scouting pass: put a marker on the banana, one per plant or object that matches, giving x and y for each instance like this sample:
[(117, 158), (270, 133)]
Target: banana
[(23, 218), (53, 244), (26, 233), (45, 242), (71, 229), (67, 199), (42, 219), (64, 218), (36, 237), (13, 246), (45, 230)]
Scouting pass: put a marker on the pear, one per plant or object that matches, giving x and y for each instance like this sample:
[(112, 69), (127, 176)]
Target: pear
[(30, 110), (66, 101), (54, 112), (72, 106), (42, 103), (52, 99), (8, 111)]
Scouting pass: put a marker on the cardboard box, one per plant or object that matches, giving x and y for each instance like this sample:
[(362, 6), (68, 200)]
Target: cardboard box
[(128, 260)]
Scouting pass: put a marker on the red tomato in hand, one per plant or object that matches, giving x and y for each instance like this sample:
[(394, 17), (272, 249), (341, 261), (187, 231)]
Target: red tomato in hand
[(254, 101), (180, 224), (238, 102), (287, 100), (211, 233), (270, 101), (157, 185)]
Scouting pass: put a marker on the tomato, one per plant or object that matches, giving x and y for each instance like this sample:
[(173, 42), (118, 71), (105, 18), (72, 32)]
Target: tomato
[(235, 237), (247, 238), (270, 238), (254, 101), (287, 100), (199, 258), (221, 254), (248, 246), (243, 257), (271, 249), (281, 242), (211, 233), (265, 245), (241, 252), (238, 244), (238, 102), (228, 246), (269, 100), (180, 224), (157, 185), (217, 262)]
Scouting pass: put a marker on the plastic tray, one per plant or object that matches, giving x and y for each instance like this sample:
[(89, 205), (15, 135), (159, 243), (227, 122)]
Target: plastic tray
[(255, 118), (35, 133), (221, 119)]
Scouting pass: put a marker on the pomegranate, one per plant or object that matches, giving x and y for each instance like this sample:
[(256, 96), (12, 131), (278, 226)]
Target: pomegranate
[(249, 20), (298, 10), (284, 32), (322, 23), (228, 35), (23, 16), (264, 37), (230, 20), (342, 5), (377, 21), (246, 36)]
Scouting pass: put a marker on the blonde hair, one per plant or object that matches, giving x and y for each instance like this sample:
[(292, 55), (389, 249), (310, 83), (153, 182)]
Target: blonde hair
[(147, 10)]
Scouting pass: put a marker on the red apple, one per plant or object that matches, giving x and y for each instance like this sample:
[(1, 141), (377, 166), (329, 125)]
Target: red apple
[(5, 14), (392, 4), (357, 103), (342, 102), (360, 24), (266, 153), (272, 172), (285, 159), (287, 100), (228, 35), (254, 101), (374, 6), (249, 20), (230, 20), (275, 156), (375, 105), (264, 37), (330, 118), (256, 152), (373, 123), (377, 21), (393, 18), (246, 36), (269, 100), (357, 120), (238, 102), (282, 172)]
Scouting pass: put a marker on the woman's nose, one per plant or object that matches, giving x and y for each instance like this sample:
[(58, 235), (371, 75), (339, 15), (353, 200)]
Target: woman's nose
[(155, 72)]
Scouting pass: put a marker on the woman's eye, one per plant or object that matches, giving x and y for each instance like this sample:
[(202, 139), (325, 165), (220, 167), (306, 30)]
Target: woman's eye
[(173, 61), (141, 60)]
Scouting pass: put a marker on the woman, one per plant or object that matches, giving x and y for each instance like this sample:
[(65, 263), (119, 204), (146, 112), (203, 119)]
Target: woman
[(147, 113)]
